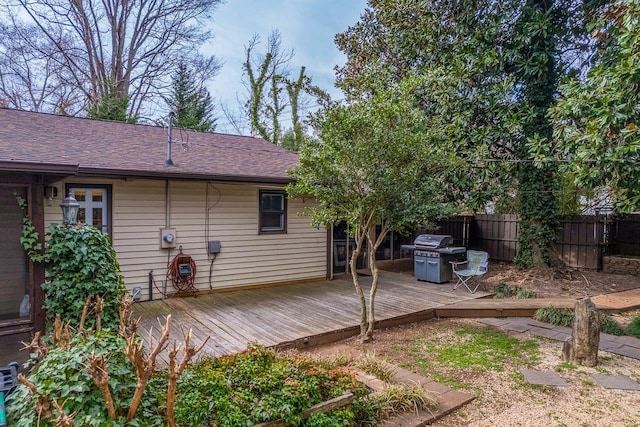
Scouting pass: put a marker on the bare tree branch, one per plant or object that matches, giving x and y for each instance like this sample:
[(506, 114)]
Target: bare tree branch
[(109, 48)]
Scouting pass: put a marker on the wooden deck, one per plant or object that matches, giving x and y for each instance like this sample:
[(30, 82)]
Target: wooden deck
[(309, 313), (503, 307), (616, 302)]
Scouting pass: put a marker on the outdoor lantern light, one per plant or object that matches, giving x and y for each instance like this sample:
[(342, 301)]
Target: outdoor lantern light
[(69, 208)]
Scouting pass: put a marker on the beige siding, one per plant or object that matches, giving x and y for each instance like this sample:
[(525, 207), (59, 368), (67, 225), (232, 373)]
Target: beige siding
[(246, 258)]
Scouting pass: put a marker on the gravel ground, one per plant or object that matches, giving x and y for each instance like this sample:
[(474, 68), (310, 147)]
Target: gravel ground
[(503, 398)]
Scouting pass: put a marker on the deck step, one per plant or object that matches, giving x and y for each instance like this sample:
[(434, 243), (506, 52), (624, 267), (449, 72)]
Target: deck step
[(502, 307)]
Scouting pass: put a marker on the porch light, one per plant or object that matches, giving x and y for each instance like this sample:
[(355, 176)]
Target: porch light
[(69, 208)]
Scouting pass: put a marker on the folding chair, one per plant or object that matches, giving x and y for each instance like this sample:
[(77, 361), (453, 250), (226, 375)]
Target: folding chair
[(477, 263)]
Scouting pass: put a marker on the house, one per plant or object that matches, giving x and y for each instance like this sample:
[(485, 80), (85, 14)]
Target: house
[(218, 198)]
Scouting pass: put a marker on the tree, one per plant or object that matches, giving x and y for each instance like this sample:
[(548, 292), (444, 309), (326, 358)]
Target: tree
[(500, 63), (536, 70), (463, 47), (374, 163), (272, 92), (596, 119), (191, 102), (113, 52), (30, 76)]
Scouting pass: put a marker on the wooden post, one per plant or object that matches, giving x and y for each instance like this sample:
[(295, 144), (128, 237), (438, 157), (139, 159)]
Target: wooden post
[(582, 347)]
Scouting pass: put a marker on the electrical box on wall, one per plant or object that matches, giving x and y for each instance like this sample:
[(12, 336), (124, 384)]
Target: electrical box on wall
[(213, 246), (167, 238)]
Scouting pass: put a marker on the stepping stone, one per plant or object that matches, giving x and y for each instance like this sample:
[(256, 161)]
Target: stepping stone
[(549, 378), (627, 351), (618, 382)]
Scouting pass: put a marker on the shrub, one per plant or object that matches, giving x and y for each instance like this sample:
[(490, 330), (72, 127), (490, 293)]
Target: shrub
[(609, 326), (633, 328), (555, 316), (523, 293), (62, 377), (503, 290), (402, 398), (564, 317), (81, 263), (260, 385)]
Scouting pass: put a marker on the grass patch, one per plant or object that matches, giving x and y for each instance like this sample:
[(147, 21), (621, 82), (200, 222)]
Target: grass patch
[(401, 398), (503, 290), (379, 368), (565, 366), (484, 348), (335, 360), (469, 348), (368, 363)]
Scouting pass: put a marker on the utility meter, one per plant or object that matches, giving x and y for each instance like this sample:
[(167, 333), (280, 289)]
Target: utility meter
[(167, 238)]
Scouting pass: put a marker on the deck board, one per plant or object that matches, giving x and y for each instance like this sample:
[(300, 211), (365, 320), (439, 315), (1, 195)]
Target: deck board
[(283, 314)]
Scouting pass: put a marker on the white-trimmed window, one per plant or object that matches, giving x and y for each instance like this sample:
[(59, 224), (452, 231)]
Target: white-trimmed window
[(273, 211), (95, 201)]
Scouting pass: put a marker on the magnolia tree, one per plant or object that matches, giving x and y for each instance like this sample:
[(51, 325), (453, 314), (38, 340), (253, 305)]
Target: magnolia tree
[(596, 132), (375, 163)]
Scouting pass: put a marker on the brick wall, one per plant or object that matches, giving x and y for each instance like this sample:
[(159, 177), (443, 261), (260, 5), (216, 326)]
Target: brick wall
[(621, 265)]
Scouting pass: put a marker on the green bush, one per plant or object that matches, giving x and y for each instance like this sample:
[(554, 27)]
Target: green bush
[(80, 262), (503, 290), (555, 316), (260, 385), (609, 326), (564, 317), (633, 328), (254, 386), (62, 376), (523, 293)]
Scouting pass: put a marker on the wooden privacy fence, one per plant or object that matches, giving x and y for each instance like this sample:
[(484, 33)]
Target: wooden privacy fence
[(625, 235), (581, 242)]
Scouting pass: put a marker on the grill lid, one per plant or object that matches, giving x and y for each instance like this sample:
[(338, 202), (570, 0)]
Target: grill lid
[(433, 241)]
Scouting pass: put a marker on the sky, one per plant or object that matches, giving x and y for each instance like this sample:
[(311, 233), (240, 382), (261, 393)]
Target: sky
[(306, 26)]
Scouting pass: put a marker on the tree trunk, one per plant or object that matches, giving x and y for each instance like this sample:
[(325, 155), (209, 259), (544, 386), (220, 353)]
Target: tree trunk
[(375, 273), (353, 265), (582, 347)]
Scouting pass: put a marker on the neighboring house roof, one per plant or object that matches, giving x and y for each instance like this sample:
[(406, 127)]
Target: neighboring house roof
[(47, 143)]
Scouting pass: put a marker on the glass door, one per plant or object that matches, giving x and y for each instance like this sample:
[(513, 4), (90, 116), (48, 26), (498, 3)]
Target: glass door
[(342, 246)]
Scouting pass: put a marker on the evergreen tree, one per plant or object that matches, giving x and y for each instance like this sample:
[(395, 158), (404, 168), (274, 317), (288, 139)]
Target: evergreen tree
[(493, 70), (191, 102)]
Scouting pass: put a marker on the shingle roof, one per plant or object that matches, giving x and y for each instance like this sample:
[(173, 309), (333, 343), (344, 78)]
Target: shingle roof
[(40, 142)]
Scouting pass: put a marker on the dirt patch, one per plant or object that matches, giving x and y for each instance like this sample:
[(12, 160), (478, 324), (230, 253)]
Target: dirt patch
[(546, 282), (569, 283), (502, 395)]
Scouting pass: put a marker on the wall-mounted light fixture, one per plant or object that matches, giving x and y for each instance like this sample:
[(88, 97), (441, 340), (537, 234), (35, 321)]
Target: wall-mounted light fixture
[(69, 208)]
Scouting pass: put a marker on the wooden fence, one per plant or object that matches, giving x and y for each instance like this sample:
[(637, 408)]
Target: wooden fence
[(625, 235), (581, 242)]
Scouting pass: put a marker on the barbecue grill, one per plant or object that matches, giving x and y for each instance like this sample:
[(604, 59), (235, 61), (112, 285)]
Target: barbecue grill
[(432, 253)]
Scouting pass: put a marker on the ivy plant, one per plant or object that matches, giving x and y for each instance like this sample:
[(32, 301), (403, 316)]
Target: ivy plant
[(80, 262), (62, 376), (30, 239)]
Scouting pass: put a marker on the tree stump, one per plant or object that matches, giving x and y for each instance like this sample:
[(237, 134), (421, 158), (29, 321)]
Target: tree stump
[(582, 347)]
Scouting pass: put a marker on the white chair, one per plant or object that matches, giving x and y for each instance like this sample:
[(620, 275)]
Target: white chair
[(476, 265)]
